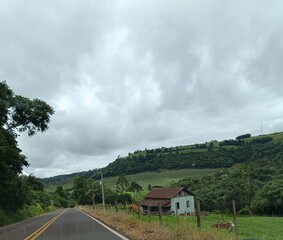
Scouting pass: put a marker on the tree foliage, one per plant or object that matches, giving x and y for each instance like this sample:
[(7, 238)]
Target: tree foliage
[(134, 187), (221, 156), (248, 135), (269, 199), (18, 114), (82, 192), (257, 187), (122, 184)]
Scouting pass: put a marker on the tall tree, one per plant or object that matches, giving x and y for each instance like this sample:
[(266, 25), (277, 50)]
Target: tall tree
[(17, 114), (122, 184), (135, 187), (81, 190)]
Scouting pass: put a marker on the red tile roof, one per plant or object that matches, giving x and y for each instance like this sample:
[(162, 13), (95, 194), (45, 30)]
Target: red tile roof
[(163, 193), (154, 202), (162, 196)]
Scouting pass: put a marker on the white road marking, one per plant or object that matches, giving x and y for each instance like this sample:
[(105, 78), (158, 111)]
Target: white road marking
[(108, 228)]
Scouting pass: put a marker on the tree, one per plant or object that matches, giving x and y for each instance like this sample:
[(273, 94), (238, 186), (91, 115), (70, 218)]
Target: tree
[(93, 191), (17, 114), (60, 197), (122, 184), (134, 187), (60, 191), (270, 198), (35, 183), (81, 189), (248, 135)]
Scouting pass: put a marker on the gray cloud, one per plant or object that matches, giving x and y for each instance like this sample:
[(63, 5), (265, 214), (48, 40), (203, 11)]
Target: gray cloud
[(127, 75)]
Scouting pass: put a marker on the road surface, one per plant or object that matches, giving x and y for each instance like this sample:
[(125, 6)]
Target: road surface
[(68, 224)]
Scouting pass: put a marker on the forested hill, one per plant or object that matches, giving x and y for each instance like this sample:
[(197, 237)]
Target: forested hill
[(213, 154)]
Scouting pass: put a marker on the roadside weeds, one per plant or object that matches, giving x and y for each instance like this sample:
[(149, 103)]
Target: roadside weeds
[(139, 230)]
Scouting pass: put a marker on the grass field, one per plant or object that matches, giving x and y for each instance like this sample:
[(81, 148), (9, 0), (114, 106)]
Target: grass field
[(52, 187), (160, 178), (249, 228), (260, 228), (277, 137)]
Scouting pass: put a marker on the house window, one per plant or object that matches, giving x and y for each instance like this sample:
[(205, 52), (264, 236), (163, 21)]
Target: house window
[(188, 204), (178, 205)]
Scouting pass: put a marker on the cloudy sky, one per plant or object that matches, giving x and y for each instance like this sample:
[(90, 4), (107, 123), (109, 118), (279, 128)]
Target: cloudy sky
[(127, 75)]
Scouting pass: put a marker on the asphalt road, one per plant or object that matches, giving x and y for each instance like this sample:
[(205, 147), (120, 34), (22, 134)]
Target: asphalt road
[(69, 224)]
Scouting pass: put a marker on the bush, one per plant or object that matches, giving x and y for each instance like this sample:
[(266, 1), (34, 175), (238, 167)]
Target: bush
[(49, 209), (3, 217), (31, 211), (248, 135), (261, 140)]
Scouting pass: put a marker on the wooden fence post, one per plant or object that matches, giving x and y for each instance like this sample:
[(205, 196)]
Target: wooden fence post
[(148, 212), (198, 214), (139, 211), (127, 209), (159, 211), (116, 207), (235, 219), (177, 212)]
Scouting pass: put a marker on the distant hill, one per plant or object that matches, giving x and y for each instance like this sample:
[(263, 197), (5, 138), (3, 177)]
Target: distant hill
[(209, 155)]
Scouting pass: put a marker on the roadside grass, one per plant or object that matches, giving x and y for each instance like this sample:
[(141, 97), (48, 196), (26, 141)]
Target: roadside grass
[(256, 227), (130, 226), (9, 217)]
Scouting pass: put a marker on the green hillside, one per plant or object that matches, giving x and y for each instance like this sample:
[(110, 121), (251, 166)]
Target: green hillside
[(246, 169), (160, 178), (153, 163), (213, 154)]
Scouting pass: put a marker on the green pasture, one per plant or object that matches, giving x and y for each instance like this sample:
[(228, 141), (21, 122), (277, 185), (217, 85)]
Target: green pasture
[(260, 228), (256, 227), (52, 187), (156, 178), (160, 178), (277, 137)]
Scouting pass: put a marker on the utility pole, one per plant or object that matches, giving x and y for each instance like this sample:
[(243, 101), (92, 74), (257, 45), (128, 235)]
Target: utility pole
[(102, 191), (198, 214), (261, 129), (235, 219), (93, 196)]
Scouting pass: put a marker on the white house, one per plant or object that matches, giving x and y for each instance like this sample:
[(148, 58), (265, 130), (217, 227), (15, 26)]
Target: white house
[(169, 199)]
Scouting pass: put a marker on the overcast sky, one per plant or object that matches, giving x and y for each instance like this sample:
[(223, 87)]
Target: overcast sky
[(128, 75)]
